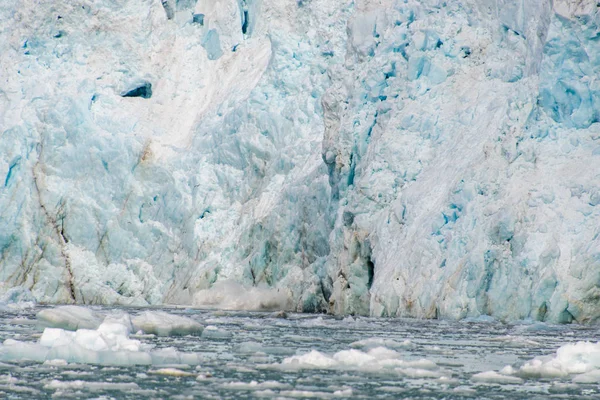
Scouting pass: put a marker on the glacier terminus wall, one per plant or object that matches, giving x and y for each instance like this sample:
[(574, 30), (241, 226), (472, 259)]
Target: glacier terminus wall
[(404, 158)]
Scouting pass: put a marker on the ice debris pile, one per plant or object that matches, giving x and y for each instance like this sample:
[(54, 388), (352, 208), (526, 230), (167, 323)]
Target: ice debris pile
[(375, 360), (396, 157), (80, 335), (230, 295), (580, 361)]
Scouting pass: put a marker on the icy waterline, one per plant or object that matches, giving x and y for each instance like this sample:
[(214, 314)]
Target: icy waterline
[(250, 354)]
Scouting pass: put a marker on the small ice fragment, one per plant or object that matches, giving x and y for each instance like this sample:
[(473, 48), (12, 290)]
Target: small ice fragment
[(377, 342), (161, 323), (494, 377), (57, 362), (313, 359), (212, 332), (90, 386), (343, 392), (171, 372)]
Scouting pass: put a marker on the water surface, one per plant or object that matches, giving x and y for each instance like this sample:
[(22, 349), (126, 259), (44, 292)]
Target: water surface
[(243, 359)]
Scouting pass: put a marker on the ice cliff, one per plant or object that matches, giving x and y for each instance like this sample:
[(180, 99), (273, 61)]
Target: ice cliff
[(398, 158)]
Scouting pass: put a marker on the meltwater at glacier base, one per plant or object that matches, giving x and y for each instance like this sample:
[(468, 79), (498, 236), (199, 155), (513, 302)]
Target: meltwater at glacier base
[(185, 183)]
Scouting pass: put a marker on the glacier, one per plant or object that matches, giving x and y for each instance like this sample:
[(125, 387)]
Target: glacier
[(401, 158)]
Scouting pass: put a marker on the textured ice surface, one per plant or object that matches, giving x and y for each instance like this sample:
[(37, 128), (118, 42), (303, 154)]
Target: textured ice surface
[(148, 322), (81, 338), (231, 295), (390, 157), (69, 318), (579, 361), (379, 359), (164, 324), (276, 357)]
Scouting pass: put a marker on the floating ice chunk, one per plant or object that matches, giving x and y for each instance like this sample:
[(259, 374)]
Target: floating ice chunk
[(56, 362), (446, 380), (354, 358), (171, 372), (212, 332), (248, 347), (254, 385), (580, 360), (90, 386), (14, 350), (301, 394), (421, 364), (508, 370), (382, 342), (93, 347), (419, 373), (494, 377), (94, 340), (203, 377), (254, 347), (571, 359), (69, 317), (313, 359), (230, 295), (343, 392), (110, 344), (170, 355), (164, 324), (588, 377), (12, 387), (377, 359)]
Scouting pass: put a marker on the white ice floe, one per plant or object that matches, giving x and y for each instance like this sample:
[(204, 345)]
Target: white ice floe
[(578, 361), (571, 359), (255, 347), (312, 359), (158, 323), (171, 372), (315, 394), (164, 324), (382, 342), (495, 377), (109, 344), (212, 332), (90, 386), (70, 318), (379, 359), (254, 385)]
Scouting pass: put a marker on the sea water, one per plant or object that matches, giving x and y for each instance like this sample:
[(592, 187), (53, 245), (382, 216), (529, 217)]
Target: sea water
[(278, 355)]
